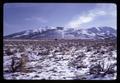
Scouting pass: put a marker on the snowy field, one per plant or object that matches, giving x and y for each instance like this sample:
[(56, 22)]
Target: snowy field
[(60, 60)]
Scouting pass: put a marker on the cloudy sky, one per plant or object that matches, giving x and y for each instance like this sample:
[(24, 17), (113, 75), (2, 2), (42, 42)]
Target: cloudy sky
[(24, 16)]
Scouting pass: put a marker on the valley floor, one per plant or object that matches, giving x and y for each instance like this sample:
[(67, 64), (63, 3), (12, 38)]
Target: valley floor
[(60, 60)]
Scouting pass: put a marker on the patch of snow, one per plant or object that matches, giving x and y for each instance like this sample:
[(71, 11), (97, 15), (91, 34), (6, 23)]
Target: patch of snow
[(85, 32), (63, 66)]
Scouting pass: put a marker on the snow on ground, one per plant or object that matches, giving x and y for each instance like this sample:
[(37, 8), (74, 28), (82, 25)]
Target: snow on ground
[(62, 63)]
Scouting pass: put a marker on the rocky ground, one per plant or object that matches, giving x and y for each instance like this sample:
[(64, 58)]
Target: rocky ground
[(60, 60)]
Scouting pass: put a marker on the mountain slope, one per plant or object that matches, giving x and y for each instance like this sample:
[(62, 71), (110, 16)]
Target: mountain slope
[(92, 33), (59, 32)]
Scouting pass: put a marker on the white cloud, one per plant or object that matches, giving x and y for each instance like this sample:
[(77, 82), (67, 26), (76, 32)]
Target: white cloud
[(85, 18), (110, 9), (91, 15), (80, 20)]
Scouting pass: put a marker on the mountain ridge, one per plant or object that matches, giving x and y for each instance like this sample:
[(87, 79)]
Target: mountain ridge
[(61, 33)]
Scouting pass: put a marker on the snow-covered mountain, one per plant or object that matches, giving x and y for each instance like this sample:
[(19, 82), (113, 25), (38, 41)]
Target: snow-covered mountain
[(91, 33), (60, 32)]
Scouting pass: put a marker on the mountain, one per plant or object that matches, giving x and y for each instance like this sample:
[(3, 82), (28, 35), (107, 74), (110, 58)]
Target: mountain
[(92, 33), (37, 33), (70, 33)]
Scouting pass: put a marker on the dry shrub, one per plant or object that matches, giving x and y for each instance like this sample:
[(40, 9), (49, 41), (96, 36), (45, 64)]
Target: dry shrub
[(19, 65), (9, 52)]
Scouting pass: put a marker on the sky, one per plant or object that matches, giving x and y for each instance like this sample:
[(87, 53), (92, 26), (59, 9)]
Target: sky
[(24, 16)]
